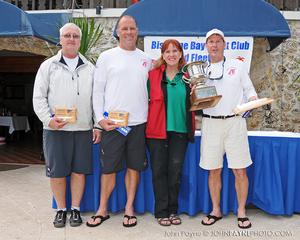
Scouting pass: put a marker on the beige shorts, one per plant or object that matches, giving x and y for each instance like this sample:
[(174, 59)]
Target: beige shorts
[(224, 136)]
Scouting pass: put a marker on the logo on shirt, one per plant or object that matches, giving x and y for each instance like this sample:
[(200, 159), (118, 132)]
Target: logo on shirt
[(231, 71), (144, 62), (241, 58)]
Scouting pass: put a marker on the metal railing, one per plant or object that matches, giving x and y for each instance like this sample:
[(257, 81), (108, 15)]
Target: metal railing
[(286, 5), (69, 4), (289, 5)]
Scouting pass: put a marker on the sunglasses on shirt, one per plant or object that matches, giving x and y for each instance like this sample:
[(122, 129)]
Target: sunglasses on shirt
[(217, 78)]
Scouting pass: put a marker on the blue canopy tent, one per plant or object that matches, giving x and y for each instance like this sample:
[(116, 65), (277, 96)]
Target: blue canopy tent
[(255, 18), (14, 22), (46, 25)]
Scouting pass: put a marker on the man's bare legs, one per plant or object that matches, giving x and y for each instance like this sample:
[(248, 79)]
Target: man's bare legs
[(108, 182), (58, 187), (215, 185), (77, 188), (241, 186), (131, 181)]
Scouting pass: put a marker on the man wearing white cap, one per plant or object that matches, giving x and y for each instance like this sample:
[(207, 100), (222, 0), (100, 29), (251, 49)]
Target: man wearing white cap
[(222, 130)]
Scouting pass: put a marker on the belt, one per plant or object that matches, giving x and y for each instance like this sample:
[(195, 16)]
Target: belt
[(219, 117)]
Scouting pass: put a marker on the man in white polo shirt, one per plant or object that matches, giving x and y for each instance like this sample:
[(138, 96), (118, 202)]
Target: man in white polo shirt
[(222, 130)]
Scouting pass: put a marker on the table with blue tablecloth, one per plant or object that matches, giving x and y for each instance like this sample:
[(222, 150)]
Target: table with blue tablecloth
[(274, 180)]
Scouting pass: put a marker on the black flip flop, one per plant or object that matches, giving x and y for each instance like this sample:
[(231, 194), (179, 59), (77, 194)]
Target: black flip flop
[(244, 219), (102, 219), (215, 218), (130, 224)]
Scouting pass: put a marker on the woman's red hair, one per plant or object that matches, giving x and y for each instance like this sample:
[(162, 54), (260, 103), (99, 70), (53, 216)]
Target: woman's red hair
[(164, 47)]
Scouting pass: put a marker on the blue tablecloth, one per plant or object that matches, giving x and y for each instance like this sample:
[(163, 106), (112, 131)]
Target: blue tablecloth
[(274, 181)]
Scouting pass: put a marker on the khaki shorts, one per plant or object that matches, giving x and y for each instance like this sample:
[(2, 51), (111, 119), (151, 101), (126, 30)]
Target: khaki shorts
[(224, 136)]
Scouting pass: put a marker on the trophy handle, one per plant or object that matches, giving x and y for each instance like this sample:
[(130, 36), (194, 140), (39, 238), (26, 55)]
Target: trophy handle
[(183, 69), (185, 73), (185, 79)]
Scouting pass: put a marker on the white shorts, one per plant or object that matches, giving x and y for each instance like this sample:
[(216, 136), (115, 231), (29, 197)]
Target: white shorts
[(224, 136)]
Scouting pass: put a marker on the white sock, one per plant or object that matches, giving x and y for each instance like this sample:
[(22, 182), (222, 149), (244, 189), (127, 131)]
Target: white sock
[(75, 208), (61, 209)]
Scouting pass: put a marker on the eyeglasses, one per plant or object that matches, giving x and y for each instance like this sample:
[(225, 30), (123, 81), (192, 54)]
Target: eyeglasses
[(217, 78), (131, 29), (218, 42), (74, 36)]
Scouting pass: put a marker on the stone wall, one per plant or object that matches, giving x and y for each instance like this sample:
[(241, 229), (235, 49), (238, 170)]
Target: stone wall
[(273, 75), (107, 39), (27, 44)]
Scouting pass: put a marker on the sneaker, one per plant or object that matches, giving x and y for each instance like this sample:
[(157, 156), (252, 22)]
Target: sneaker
[(75, 219), (60, 219)]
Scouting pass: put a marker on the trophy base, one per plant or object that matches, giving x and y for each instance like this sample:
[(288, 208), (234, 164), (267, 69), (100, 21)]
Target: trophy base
[(198, 104)]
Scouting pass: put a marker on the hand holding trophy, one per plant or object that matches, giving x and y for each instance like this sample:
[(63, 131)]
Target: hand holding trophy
[(202, 96)]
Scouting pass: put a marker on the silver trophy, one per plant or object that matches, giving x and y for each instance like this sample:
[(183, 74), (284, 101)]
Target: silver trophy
[(202, 96)]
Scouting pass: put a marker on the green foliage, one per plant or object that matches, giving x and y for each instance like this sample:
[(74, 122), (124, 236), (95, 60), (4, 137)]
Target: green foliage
[(91, 33)]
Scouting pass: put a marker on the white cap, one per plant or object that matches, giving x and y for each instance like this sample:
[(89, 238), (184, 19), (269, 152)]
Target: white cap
[(214, 31)]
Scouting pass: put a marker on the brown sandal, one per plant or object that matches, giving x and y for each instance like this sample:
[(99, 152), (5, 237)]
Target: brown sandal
[(175, 219), (164, 222)]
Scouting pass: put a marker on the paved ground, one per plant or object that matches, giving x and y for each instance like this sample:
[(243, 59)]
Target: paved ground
[(26, 214)]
